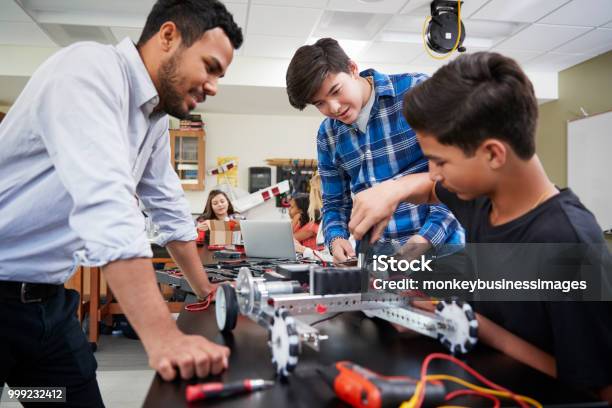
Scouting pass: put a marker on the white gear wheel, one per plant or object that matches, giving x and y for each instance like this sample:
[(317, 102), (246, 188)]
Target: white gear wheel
[(284, 343), (460, 316), (245, 289)]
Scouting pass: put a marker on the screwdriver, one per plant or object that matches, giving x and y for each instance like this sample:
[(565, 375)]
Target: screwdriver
[(219, 389)]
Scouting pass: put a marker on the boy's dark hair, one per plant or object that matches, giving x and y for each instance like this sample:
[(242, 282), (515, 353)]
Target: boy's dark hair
[(192, 18), (473, 98), (208, 213), (310, 66)]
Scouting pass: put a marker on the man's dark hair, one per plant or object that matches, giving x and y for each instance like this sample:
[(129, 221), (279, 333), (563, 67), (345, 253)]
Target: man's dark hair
[(473, 98), (310, 66), (192, 18)]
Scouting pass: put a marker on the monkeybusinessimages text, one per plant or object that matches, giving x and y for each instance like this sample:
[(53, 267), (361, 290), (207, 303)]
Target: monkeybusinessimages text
[(384, 263)]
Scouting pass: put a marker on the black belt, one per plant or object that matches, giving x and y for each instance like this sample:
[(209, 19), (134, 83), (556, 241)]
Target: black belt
[(27, 292)]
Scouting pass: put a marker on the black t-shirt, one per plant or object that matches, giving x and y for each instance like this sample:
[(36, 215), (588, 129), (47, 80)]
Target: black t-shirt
[(578, 334)]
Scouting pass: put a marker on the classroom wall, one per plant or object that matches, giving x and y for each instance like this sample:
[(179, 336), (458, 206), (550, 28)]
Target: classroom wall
[(253, 139), (587, 85)]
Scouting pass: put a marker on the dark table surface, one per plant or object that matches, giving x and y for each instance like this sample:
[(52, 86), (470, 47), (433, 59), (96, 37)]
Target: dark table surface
[(372, 343)]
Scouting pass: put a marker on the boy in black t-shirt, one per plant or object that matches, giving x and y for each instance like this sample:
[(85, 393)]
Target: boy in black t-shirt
[(475, 120)]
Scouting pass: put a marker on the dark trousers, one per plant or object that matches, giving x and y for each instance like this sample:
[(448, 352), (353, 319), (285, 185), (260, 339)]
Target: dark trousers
[(42, 345)]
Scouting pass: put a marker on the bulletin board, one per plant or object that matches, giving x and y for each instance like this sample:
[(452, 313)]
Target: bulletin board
[(231, 175)]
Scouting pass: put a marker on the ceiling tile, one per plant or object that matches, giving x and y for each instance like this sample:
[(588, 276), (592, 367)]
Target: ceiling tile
[(469, 7), (365, 6), (425, 60), (141, 7), (540, 37), (406, 23), (354, 48), (491, 29), (590, 13), (239, 12), (282, 21), (555, 62), (419, 8), (592, 43), (423, 8), (121, 32), (518, 55), (391, 52), (22, 33), (292, 3), (10, 11), (477, 30), (350, 26), (527, 11), (270, 46)]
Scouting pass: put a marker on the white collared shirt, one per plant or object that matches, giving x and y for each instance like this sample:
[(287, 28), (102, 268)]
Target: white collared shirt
[(78, 145)]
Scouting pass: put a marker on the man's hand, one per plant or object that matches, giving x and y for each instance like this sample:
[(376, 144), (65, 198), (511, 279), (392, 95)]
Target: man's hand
[(373, 208), (133, 283), (191, 355), (342, 250), (208, 289)]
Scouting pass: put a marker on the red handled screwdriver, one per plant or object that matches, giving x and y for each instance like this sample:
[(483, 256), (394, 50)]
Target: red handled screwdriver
[(218, 389)]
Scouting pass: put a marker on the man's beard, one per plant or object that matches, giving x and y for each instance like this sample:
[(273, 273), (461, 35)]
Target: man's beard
[(171, 101)]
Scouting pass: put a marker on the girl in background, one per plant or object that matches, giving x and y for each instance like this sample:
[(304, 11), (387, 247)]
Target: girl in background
[(218, 207), (304, 229), (315, 207)]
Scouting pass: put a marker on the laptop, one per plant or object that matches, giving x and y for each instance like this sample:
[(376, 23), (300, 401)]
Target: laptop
[(268, 239)]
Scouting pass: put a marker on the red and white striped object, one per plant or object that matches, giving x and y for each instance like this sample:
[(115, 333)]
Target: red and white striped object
[(222, 169), (259, 197)]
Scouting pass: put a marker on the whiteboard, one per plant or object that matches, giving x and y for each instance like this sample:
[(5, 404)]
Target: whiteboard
[(589, 164)]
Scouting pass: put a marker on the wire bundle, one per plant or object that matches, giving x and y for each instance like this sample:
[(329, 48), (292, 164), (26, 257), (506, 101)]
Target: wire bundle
[(490, 393)]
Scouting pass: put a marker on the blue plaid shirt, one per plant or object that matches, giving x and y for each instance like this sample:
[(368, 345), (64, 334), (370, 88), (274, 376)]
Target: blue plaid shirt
[(351, 161)]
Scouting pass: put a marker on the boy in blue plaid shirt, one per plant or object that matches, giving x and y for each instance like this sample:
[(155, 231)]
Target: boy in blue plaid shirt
[(364, 141)]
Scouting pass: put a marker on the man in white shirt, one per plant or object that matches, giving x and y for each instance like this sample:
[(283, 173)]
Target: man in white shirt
[(89, 133)]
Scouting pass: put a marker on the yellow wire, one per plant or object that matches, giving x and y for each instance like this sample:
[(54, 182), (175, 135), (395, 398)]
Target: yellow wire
[(412, 401), (456, 41), (451, 406)]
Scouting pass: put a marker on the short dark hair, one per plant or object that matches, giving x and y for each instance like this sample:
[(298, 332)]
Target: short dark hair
[(208, 213), (310, 66), (475, 97), (192, 18)]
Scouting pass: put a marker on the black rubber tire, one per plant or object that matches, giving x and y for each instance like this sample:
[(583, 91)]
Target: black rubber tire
[(231, 302)]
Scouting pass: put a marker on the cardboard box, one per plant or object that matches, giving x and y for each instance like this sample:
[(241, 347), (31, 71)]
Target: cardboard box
[(225, 233)]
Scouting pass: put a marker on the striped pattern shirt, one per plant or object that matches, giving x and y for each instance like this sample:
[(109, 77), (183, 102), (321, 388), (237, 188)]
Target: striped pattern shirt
[(351, 161)]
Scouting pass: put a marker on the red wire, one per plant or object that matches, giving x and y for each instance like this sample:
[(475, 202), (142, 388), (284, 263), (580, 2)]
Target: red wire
[(321, 259), (200, 306), (470, 370), (458, 393)]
